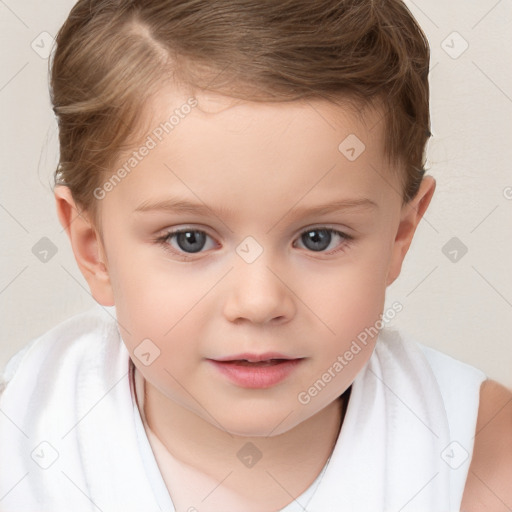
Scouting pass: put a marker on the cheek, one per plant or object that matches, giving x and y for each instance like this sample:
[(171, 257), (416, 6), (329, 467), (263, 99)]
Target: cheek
[(350, 297), (352, 316), (150, 308), (152, 302)]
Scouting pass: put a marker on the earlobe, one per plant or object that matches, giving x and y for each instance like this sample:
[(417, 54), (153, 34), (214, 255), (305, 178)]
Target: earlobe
[(86, 244), (410, 217)]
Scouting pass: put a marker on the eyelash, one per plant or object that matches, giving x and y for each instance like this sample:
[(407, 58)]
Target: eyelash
[(164, 239)]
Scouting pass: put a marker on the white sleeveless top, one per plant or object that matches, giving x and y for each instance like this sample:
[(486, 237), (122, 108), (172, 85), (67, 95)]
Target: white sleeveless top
[(74, 438)]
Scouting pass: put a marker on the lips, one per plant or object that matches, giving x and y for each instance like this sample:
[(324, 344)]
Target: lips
[(256, 371), (245, 362), (254, 358)]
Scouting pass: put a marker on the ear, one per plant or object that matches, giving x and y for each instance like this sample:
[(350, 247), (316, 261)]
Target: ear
[(410, 216), (86, 244)]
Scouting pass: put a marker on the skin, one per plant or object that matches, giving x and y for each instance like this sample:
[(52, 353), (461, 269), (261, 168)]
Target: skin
[(490, 472), (253, 165)]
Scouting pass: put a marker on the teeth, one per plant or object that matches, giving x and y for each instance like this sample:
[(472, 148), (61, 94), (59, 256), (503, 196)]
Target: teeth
[(268, 362)]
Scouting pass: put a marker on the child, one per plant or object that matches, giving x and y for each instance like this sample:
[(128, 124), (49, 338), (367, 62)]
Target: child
[(253, 372)]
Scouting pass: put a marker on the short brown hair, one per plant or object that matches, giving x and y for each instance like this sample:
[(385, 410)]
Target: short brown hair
[(111, 55)]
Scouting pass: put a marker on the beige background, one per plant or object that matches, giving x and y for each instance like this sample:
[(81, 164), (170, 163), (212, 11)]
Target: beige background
[(461, 307)]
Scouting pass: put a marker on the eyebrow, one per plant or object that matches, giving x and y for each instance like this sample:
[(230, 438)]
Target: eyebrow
[(176, 205)]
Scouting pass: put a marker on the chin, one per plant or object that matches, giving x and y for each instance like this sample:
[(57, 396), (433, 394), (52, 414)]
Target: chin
[(254, 421)]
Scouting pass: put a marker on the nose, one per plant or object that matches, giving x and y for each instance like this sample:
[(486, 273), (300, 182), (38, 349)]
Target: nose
[(259, 294)]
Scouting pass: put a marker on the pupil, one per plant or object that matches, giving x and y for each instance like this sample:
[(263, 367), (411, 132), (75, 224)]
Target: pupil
[(191, 241), (320, 238)]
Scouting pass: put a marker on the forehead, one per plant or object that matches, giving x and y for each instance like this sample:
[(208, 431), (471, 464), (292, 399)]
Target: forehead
[(215, 146), (238, 115)]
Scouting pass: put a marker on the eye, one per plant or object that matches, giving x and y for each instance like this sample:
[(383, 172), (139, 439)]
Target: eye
[(319, 239), (186, 241)]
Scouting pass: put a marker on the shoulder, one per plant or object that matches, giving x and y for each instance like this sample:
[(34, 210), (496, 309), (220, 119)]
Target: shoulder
[(83, 333), (490, 472)]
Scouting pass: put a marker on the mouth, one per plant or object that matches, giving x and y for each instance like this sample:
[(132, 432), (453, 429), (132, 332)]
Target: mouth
[(255, 364), (255, 358), (256, 371)]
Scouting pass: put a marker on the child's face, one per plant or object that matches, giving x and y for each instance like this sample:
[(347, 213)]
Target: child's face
[(254, 285)]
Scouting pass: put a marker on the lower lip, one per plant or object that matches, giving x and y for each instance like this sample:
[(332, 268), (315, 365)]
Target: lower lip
[(256, 377)]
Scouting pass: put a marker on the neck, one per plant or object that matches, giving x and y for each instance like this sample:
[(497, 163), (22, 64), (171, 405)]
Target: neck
[(293, 458)]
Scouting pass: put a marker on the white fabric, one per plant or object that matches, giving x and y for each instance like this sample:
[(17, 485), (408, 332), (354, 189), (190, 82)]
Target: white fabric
[(69, 396)]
